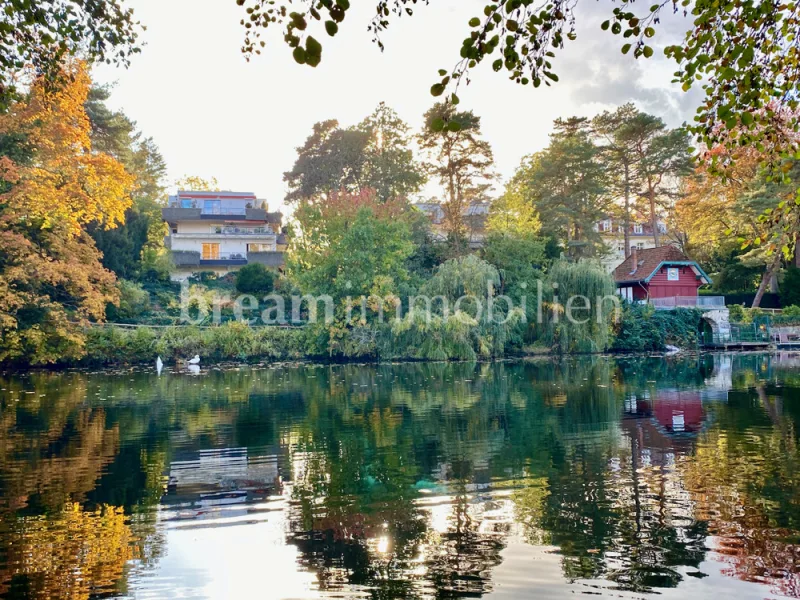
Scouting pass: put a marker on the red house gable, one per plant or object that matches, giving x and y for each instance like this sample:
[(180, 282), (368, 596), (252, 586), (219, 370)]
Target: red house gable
[(661, 272)]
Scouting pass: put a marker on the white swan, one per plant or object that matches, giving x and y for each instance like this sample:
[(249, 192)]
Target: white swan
[(159, 365), (195, 360)]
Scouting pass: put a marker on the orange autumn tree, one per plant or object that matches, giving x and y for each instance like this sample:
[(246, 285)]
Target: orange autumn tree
[(52, 185)]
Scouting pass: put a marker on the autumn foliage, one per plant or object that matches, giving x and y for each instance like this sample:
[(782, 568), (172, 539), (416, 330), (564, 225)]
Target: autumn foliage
[(53, 185)]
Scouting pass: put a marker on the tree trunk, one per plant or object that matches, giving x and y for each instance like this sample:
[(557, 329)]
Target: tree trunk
[(653, 216), (627, 209), (797, 250), (773, 283), (771, 267)]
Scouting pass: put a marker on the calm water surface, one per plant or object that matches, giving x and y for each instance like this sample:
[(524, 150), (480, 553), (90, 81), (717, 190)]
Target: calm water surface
[(619, 478)]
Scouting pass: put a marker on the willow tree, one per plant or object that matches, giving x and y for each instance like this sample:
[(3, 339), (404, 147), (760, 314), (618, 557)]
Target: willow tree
[(578, 307)]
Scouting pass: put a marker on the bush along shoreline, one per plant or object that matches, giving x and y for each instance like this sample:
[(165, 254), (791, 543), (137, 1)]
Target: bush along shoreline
[(640, 329)]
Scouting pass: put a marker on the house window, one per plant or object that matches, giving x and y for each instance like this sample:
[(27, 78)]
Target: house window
[(637, 228), (187, 203), (259, 248), (210, 251), (604, 226), (662, 228), (673, 274), (211, 207), (640, 245)]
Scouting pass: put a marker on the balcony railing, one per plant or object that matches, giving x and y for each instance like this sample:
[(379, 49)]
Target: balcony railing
[(221, 210), (243, 230), (225, 256), (703, 302)]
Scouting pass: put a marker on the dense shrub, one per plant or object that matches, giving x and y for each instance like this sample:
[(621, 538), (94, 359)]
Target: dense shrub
[(790, 288), (255, 279), (231, 341), (642, 328), (134, 302)]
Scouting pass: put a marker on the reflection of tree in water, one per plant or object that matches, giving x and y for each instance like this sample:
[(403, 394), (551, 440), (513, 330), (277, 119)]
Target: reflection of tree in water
[(394, 473), (54, 449), (73, 553), (745, 479)]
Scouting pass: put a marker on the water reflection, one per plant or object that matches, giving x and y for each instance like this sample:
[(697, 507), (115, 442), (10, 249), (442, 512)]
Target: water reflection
[(627, 476)]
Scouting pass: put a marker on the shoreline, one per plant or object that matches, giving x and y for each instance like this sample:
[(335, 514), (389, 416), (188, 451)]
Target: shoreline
[(175, 367)]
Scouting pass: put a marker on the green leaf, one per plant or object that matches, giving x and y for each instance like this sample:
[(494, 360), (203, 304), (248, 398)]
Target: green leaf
[(345, 4), (616, 28), (474, 22), (442, 72), (647, 51), (454, 100), (605, 25), (454, 126), (626, 48), (437, 124), (299, 55), (649, 32), (331, 27), (747, 118), (437, 89), (313, 52)]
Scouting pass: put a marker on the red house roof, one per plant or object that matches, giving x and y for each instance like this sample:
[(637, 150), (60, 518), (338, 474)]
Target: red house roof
[(650, 260)]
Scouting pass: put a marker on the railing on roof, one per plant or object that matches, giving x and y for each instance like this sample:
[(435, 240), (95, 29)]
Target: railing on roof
[(704, 302)]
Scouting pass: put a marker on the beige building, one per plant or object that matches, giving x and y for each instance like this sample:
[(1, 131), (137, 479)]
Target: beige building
[(475, 216), (220, 232), (641, 236)]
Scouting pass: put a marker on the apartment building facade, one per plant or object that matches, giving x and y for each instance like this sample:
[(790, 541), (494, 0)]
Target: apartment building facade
[(641, 237), (221, 232)]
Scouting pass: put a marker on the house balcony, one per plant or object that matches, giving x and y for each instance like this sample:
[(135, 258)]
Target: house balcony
[(191, 258), (228, 233), (701, 302), (175, 214)]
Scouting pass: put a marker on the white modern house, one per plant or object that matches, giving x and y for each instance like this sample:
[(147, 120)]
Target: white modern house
[(221, 231)]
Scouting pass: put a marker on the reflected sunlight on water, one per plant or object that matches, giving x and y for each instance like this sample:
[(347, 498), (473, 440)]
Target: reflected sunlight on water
[(617, 477)]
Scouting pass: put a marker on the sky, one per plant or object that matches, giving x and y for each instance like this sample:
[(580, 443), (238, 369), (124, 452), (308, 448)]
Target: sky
[(213, 114)]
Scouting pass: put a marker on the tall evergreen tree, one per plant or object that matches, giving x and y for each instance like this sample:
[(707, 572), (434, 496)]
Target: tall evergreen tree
[(460, 159), (662, 157), (614, 134), (567, 184), (134, 248)]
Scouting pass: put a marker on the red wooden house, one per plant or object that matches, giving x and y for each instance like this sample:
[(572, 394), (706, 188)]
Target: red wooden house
[(662, 272)]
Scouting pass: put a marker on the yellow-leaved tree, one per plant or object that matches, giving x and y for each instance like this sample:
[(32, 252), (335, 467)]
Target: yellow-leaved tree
[(51, 186), (63, 180)]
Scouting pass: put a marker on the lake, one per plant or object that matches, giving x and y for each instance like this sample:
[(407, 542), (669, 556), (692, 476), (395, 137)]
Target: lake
[(618, 477)]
